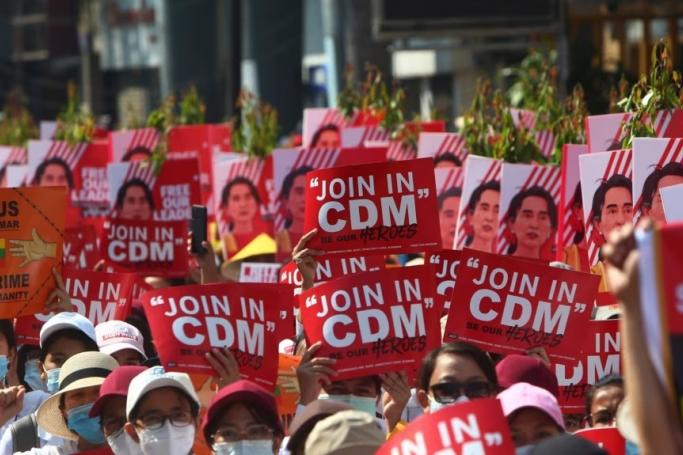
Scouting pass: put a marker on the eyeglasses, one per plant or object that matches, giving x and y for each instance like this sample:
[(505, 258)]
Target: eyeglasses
[(113, 424), (251, 433), (155, 421), (448, 392)]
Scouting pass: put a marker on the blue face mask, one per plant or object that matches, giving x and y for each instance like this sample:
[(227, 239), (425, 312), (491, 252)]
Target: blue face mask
[(364, 404), (53, 380), (4, 366), (32, 375), (88, 428)]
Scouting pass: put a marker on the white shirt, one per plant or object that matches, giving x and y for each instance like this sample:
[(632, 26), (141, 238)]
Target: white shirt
[(32, 401)]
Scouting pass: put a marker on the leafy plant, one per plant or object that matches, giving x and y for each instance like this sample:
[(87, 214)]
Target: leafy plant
[(192, 108), (162, 119), (75, 123), (511, 143), (535, 75), (16, 124), (477, 120), (569, 128), (256, 133)]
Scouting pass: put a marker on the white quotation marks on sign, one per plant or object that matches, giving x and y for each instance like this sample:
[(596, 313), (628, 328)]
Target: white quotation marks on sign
[(434, 259), (679, 298), (579, 308), (310, 301), (156, 301), (178, 241), (422, 193), (314, 183), (473, 263), (270, 326), (493, 439), (429, 303)]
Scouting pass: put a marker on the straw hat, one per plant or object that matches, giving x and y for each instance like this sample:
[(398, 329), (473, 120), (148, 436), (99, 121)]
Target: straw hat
[(86, 369)]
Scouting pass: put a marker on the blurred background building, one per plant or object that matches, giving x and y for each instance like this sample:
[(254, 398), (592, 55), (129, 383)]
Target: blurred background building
[(125, 55)]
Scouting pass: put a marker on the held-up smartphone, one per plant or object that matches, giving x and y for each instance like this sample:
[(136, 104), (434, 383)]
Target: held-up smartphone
[(198, 228)]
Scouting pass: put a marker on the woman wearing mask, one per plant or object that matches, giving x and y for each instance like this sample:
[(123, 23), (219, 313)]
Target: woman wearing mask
[(162, 410), (243, 419), (454, 373)]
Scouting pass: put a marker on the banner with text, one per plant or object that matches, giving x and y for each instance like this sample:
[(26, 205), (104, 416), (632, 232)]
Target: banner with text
[(445, 263)]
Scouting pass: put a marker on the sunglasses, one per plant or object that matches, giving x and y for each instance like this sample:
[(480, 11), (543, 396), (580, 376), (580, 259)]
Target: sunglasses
[(449, 392)]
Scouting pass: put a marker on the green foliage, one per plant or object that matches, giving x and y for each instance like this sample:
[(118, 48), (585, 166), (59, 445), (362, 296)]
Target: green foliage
[(256, 134), (478, 120), (534, 78), (192, 108), (75, 124), (16, 124), (570, 126)]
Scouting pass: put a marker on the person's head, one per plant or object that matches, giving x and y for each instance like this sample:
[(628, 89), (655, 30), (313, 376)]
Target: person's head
[(362, 394), (53, 172), (603, 400), (162, 409), (482, 211), (612, 204), (533, 413), (8, 347), (139, 153), (306, 419), (576, 219), (293, 193), (134, 201), (29, 368), (240, 200), (110, 407), (137, 319), (447, 159), (532, 218), (669, 175), (61, 337), (516, 368), (453, 373), (121, 341), (345, 432), (243, 411), (449, 205), (66, 413), (327, 137)]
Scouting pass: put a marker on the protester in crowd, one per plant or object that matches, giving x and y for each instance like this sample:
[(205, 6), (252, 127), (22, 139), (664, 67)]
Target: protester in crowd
[(532, 412), (121, 341), (449, 204), (447, 160), (481, 217), (65, 413), (516, 368), (110, 409), (345, 432), (327, 137), (243, 419), (532, 222), (53, 172), (134, 201), (603, 400), (564, 444), (307, 418), (454, 373), (669, 175), (29, 368), (61, 337), (8, 350), (292, 196), (240, 205), (654, 414), (162, 409)]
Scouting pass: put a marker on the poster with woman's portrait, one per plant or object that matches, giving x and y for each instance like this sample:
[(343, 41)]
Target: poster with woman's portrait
[(657, 164), (529, 197), (604, 132), (448, 194), (132, 145), (572, 246), (479, 204), (10, 156), (322, 127), (16, 175), (138, 192), (82, 168), (545, 139), (240, 203), (287, 194), (606, 191), (449, 150), (364, 136)]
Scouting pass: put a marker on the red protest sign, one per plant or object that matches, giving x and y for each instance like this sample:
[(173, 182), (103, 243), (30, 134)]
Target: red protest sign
[(332, 267), (98, 296), (381, 208), (240, 316), (80, 247), (445, 263), (599, 356), (509, 305), (608, 438), (478, 426), (146, 247), (373, 322), (671, 238)]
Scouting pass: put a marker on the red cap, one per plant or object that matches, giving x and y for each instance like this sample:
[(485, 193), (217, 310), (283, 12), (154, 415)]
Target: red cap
[(241, 390), (115, 385), (516, 368)]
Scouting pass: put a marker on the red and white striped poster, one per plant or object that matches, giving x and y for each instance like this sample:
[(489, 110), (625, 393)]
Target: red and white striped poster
[(529, 197), (479, 205), (10, 156), (571, 241), (132, 145), (545, 139), (322, 127), (448, 194), (605, 132), (447, 149)]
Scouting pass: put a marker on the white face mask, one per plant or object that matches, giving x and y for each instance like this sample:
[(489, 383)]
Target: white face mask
[(122, 444), (364, 404), (436, 406), (167, 440), (244, 447)]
